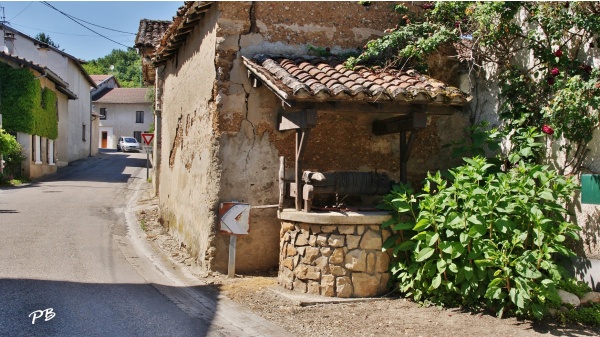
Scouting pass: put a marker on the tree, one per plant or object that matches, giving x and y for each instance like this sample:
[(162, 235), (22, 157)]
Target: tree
[(42, 37), (127, 67)]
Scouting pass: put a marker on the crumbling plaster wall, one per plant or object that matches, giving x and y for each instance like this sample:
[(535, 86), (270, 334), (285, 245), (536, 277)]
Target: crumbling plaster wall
[(189, 170), (249, 143)]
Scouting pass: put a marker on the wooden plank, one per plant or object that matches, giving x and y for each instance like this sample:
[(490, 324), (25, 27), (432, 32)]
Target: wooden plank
[(304, 119), (281, 182), (417, 120)]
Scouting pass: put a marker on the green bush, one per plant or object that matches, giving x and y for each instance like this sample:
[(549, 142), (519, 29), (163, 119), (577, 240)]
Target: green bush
[(482, 237), (11, 153)]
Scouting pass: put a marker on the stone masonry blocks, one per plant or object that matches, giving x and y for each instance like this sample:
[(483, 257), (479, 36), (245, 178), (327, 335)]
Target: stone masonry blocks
[(334, 260)]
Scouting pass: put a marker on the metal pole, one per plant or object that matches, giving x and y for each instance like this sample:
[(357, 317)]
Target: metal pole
[(231, 265), (147, 164)]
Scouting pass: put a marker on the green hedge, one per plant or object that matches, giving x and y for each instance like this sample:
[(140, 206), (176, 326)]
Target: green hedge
[(24, 105)]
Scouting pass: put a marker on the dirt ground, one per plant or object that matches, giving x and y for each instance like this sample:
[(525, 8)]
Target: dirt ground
[(309, 316)]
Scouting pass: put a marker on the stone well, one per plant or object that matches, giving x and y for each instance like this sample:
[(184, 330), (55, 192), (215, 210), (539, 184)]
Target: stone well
[(333, 253)]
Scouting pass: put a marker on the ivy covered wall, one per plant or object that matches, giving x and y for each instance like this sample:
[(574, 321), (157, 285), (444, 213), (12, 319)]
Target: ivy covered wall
[(24, 105)]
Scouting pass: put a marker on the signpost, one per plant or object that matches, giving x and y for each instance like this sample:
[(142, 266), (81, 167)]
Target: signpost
[(234, 220), (147, 137)]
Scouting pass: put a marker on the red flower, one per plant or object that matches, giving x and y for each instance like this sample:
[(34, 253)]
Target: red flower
[(558, 53), (554, 72), (547, 130), (550, 80), (586, 68), (428, 5)]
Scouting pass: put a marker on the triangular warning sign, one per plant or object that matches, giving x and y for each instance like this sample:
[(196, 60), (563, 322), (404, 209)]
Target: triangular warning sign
[(147, 137)]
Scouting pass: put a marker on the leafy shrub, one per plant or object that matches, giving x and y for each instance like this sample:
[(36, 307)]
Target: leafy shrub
[(574, 286), (482, 237), (11, 153)]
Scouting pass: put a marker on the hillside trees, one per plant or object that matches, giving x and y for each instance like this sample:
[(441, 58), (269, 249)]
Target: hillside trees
[(127, 67)]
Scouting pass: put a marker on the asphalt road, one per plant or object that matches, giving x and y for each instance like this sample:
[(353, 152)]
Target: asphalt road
[(67, 267)]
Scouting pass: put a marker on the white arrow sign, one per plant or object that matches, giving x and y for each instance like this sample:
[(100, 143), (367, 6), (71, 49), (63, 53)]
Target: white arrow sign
[(236, 220)]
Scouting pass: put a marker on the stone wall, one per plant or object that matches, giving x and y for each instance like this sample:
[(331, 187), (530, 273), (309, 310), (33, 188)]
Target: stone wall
[(334, 260)]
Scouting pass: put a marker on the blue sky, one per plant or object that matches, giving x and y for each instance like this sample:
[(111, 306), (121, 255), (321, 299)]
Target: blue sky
[(33, 17)]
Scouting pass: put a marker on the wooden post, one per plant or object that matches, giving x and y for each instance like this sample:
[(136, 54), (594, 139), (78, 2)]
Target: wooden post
[(301, 139), (281, 182), (231, 265)]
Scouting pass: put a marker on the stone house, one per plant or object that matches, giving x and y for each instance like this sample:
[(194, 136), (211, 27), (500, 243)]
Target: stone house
[(238, 85), (40, 152), (77, 130), (122, 111)]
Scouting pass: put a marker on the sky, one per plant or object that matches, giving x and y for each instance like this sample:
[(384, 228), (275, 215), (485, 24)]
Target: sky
[(33, 17)]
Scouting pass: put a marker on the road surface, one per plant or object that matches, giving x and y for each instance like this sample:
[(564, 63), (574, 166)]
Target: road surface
[(69, 265)]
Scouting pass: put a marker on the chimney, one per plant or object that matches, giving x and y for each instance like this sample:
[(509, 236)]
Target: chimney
[(9, 40)]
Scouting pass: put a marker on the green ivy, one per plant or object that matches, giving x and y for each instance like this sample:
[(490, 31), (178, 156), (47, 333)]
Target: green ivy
[(46, 116), (24, 105), (19, 97)]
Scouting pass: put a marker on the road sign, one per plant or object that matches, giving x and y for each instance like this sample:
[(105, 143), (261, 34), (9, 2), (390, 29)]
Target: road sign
[(147, 137), (235, 218)]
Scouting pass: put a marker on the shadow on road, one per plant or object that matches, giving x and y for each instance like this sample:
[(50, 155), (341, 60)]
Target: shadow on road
[(92, 309), (109, 167)]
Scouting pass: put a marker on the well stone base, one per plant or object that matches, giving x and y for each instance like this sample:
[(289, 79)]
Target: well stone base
[(338, 260)]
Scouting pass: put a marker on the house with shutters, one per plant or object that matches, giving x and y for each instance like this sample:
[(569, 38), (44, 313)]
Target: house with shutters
[(239, 86), (121, 111)]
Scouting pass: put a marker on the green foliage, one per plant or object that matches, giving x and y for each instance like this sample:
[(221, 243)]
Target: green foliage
[(19, 97), (482, 236), (11, 154), (537, 49), (574, 286), (477, 140), (46, 121), (127, 67), (25, 106), (42, 37), (584, 315)]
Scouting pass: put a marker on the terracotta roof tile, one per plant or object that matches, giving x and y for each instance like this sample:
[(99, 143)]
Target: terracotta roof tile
[(122, 95), (150, 32), (314, 78)]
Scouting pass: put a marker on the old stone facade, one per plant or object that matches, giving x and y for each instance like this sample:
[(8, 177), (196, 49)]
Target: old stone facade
[(341, 260), (218, 133)]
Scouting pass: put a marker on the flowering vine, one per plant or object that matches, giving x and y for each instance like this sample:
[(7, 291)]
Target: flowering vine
[(541, 51)]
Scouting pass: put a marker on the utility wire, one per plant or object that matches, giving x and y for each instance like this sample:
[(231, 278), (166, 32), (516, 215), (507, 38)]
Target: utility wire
[(21, 11), (89, 23), (49, 31), (84, 26)]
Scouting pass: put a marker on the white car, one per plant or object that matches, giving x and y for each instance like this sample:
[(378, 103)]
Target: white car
[(128, 144)]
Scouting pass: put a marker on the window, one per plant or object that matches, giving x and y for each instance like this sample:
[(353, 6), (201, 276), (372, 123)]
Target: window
[(138, 136), (139, 117), (102, 113), (83, 132)]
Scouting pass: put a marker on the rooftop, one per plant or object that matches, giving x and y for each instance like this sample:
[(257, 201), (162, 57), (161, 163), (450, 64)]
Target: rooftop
[(309, 78), (150, 33), (122, 95)]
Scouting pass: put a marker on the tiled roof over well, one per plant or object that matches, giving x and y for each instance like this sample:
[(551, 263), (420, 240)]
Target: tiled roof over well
[(308, 78), (150, 32), (122, 95)]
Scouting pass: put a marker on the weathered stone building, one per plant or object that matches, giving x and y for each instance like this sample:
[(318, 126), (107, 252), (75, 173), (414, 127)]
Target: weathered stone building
[(228, 73)]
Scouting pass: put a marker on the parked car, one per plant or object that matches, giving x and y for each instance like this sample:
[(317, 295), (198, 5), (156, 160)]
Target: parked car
[(128, 144)]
